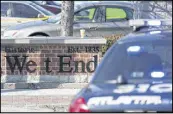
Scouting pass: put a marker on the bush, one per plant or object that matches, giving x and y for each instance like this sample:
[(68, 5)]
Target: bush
[(110, 40)]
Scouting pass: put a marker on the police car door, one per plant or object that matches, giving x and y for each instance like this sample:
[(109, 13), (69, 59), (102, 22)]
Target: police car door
[(89, 19)]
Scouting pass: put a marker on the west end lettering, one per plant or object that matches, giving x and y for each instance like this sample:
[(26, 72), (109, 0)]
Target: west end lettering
[(21, 62), (14, 61)]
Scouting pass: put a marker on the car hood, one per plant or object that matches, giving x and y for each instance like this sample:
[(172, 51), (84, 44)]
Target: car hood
[(28, 24), (145, 97)]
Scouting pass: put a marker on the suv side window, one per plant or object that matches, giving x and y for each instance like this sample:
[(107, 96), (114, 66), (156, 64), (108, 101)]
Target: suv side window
[(85, 15), (24, 11), (4, 8), (115, 13)]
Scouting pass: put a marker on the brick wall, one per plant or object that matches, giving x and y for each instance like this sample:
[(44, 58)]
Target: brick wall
[(34, 66)]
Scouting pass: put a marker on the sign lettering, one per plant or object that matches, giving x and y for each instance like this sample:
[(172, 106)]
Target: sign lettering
[(21, 62)]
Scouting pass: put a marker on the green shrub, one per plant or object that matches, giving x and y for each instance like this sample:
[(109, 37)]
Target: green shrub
[(110, 40)]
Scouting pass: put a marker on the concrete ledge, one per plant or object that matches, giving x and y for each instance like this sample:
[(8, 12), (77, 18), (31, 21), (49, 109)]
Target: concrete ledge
[(45, 78), (54, 40), (43, 85)]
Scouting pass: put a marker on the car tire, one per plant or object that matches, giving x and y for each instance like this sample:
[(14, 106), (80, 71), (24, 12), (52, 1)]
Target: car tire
[(38, 35)]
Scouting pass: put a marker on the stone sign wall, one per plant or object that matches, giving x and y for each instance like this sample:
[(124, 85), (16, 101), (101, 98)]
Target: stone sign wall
[(70, 60)]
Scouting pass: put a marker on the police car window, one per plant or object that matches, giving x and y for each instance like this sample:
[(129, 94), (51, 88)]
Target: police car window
[(114, 13), (24, 11), (85, 15), (4, 8), (152, 60)]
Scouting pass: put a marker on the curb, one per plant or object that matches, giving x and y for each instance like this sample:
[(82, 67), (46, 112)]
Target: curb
[(43, 85)]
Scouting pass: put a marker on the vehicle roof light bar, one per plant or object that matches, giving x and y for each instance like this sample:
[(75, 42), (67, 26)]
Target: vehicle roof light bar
[(150, 22)]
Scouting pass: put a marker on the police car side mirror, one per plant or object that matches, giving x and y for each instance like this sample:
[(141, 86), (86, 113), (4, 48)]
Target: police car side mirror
[(120, 80)]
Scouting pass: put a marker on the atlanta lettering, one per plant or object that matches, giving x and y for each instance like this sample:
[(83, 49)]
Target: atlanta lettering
[(125, 100)]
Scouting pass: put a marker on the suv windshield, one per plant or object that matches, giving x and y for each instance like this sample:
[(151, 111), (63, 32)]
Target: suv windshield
[(140, 60), (57, 18), (46, 12)]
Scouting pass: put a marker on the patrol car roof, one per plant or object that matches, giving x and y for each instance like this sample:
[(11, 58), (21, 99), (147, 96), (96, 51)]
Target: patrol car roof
[(149, 35)]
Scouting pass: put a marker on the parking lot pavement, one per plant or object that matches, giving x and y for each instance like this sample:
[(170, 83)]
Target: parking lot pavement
[(22, 109), (42, 100)]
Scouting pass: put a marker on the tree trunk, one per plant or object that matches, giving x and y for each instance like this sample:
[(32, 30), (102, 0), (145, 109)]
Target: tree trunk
[(67, 17)]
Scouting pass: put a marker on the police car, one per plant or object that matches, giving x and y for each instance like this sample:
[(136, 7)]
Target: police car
[(135, 75)]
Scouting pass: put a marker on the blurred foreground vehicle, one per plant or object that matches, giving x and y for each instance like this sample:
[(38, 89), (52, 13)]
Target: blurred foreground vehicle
[(135, 75), (97, 18), (15, 12)]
